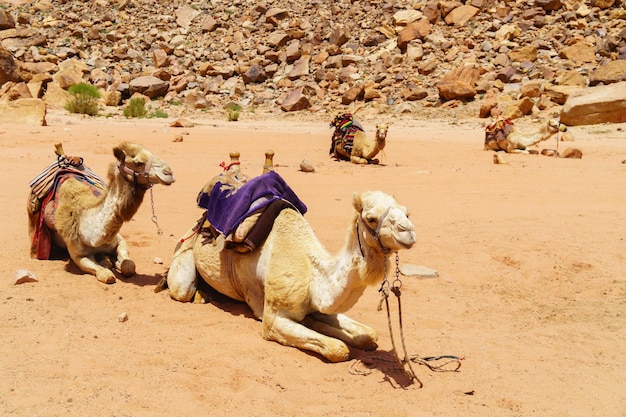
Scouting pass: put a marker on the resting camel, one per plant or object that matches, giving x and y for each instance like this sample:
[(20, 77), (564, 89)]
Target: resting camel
[(502, 135), (350, 143), (86, 220), (291, 283)]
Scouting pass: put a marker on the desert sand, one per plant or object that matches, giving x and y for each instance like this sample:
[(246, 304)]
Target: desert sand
[(530, 293)]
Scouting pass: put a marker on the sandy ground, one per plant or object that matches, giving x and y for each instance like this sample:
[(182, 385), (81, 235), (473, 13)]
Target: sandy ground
[(531, 290)]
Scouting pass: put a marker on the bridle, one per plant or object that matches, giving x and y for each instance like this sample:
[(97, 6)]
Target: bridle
[(374, 232), (139, 179)]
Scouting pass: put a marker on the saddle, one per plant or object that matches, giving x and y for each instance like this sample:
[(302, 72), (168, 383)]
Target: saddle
[(342, 141), (244, 212), (497, 131), (42, 201)]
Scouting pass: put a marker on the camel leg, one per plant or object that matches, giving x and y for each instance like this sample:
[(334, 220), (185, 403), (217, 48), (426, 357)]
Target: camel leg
[(123, 263), (290, 333), (182, 279), (344, 328), (358, 160), (89, 265)]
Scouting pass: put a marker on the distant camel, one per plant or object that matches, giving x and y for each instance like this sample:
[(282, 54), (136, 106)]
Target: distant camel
[(86, 220), (291, 283), (350, 143), (502, 135)]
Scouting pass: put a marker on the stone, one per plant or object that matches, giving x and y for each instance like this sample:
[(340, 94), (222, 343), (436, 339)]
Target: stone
[(572, 153), (23, 276), (526, 53), (461, 15), (9, 66), (306, 166), (405, 17), (295, 101), (356, 92), (594, 105), (580, 52), (6, 20), (150, 86), (420, 271), (185, 15), (611, 72), (254, 74), (26, 111), (416, 30)]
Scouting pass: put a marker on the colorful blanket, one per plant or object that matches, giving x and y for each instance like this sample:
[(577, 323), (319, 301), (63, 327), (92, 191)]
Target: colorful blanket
[(227, 207), (44, 189), (343, 136)]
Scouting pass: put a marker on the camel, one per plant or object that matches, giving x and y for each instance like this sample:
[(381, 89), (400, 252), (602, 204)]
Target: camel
[(502, 135), (291, 283), (86, 220), (350, 143)]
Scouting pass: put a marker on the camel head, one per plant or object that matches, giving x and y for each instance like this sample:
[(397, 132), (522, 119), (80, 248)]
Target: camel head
[(381, 134), (139, 166), (386, 222), (554, 125)]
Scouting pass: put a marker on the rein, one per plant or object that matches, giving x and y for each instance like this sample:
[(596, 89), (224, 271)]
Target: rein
[(405, 361), (394, 287)]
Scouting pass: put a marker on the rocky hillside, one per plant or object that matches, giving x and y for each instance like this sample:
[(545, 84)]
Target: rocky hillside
[(315, 57)]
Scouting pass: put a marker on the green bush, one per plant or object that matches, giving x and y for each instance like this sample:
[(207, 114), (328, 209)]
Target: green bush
[(136, 107), (84, 99), (158, 114), (232, 111)]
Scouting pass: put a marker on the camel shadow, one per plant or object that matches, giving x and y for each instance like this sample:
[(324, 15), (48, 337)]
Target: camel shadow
[(223, 302), (381, 361), (140, 280)]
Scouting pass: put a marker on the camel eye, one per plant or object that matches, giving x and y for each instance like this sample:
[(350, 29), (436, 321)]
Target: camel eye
[(371, 219)]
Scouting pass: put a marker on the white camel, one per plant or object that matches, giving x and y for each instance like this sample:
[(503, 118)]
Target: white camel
[(502, 135), (292, 283), (87, 222), (349, 141)]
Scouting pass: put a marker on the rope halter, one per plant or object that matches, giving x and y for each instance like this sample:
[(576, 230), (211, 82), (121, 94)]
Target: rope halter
[(139, 179)]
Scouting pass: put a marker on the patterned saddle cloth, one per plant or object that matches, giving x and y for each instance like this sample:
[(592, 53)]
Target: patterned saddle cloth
[(342, 141), (42, 200)]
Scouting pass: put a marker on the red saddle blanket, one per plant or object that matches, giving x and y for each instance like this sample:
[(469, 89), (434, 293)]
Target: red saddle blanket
[(41, 238)]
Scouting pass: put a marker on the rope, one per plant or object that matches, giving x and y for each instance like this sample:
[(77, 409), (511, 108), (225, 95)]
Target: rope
[(404, 363), (154, 218), (227, 167)]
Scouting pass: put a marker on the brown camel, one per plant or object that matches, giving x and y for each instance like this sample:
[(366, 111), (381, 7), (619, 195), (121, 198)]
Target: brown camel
[(502, 135), (86, 220), (349, 141)]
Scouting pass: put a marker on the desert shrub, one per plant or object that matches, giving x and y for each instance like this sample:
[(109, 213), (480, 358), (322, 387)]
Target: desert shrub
[(136, 107), (158, 114), (232, 111), (84, 99)]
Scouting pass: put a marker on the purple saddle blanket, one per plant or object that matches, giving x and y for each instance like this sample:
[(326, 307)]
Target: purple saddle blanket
[(227, 207)]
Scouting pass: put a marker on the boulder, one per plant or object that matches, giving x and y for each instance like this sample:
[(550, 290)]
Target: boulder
[(150, 86), (295, 101), (26, 111), (594, 105), (9, 67), (611, 72)]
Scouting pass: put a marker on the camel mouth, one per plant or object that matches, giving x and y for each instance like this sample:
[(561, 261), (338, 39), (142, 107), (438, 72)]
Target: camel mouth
[(406, 239), (165, 178)]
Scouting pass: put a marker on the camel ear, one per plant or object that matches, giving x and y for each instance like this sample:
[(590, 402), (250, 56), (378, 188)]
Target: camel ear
[(356, 202), (119, 154)]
